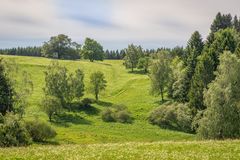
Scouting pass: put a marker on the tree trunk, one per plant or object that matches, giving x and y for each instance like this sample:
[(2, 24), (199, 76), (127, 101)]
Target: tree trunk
[(96, 96)]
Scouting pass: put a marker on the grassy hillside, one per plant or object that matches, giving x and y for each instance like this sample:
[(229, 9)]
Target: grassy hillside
[(130, 89), (212, 150)]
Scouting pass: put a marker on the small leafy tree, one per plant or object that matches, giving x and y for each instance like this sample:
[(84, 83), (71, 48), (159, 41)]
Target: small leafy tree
[(159, 75), (56, 82), (98, 83), (78, 84), (144, 63), (51, 106), (222, 117), (92, 50), (133, 53)]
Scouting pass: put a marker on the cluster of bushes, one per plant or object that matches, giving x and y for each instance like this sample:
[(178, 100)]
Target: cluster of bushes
[(172, 116), (16, 132), (118, 113)]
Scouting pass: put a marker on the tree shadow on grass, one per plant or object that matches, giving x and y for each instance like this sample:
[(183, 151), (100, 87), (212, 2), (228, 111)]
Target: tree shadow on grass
[(142, 72), (65, 118), (105, 104), (86, 108)]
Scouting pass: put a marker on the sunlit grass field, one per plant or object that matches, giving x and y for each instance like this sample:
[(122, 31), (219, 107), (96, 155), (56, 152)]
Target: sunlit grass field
[(84, 135), (130, 89), (191, 150)]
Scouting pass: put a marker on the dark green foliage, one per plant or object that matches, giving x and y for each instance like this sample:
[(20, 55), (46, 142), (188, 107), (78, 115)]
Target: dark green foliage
[(92, 50), (98, 83), (61, 47), (204, 73), (174, 116), (114, 54), (22, 51), (86, 102), (221, 21), (193, 50), (133, 53), (236, 23), (221, 119), (6, 91), (118, 113), (178, 51), (13, 132), (40, 131)]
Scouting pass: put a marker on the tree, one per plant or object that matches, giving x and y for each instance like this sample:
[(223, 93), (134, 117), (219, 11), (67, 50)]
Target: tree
[(6, 91), (64, 86), (236, 23), (221, 21), (193, 50), (225, 40), (133, 53), (56, 82), (92, 50), (77, 84), (62, 47), (98, 83), (144, 63), (176, 80), (159, 75), (51, 106), (222, 117)]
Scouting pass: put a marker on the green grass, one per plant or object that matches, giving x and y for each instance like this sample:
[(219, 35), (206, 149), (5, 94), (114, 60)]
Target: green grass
[(212, 150), (83, 135), (130, 89)]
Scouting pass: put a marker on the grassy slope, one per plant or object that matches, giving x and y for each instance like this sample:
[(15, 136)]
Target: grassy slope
[(122, 88), (157, 150)]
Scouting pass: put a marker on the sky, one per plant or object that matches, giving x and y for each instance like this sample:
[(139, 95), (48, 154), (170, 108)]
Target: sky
[(113, 23)]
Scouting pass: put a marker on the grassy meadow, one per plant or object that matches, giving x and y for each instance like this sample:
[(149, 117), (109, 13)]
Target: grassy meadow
[(130, 89), (83, 134)]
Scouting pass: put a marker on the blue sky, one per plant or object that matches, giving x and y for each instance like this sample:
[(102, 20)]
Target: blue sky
[(114, 23)]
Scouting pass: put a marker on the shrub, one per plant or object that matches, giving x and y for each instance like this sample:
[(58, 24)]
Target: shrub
[(173, 116), (123, 116), (108, 115), (86, 102), (118, 113), (40, 131), (13, 132)]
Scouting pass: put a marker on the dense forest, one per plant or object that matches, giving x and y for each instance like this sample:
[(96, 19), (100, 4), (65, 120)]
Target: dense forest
[(198, 85)]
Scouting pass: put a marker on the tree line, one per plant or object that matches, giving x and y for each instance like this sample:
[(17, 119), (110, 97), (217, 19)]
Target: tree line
[(205, 79)]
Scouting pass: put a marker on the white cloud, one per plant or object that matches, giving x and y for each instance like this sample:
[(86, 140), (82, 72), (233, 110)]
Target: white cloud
[(115, 23)]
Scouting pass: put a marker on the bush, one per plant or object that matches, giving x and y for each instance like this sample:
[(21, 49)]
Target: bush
[(118, 113), (13, 132), (123, 116), (40, 131), (108, 115), (173, 116), (86, 102)]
